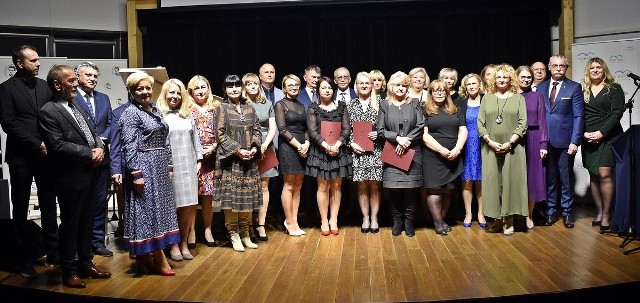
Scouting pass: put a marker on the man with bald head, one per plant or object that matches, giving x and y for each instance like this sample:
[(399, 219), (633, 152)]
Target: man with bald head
[(343, 93), (539, 74), (267, 74)]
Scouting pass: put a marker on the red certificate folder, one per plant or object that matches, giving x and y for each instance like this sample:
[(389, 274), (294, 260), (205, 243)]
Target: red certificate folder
[(361, 130), (330, 131), (268, 161), (390, 157)]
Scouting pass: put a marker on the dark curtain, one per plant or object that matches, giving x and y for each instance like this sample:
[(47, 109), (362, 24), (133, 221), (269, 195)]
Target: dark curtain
[(387, 35)]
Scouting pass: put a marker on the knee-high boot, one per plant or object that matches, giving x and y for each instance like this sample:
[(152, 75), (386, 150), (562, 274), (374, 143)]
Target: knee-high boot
[(397, 217), (408, 217)]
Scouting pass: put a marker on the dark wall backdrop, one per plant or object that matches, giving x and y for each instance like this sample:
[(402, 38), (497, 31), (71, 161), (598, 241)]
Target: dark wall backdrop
[(387, 35)]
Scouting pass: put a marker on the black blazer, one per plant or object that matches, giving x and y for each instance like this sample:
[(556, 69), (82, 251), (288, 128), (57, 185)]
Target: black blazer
[(19, 118), (67, 146)]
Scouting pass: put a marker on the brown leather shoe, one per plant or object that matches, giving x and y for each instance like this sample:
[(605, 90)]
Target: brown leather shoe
[(73, 281), (94, 273)]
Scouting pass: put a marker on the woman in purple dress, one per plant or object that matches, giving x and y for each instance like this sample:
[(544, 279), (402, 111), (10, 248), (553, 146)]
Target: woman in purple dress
[(536, 139)]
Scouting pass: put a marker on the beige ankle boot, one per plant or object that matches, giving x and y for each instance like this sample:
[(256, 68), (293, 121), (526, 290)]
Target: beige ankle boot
[(247, 242), (235, 241)]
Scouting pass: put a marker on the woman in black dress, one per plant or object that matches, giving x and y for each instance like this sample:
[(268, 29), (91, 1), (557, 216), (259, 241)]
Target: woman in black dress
[(328, 162), (401, 123), (602, 113), (445, 133), (293, 146)]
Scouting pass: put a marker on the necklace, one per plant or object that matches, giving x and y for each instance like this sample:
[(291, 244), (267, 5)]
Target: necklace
[(499, 118)]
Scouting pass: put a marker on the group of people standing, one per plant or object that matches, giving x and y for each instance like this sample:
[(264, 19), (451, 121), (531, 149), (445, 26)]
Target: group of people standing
[(419, 139)]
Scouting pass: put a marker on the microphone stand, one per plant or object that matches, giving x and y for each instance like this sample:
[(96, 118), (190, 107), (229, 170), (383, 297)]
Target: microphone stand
[(631, 215)]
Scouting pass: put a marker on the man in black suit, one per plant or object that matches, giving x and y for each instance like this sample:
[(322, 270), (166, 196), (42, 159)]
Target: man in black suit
[(75, 150), (97, 106), (20, 99)]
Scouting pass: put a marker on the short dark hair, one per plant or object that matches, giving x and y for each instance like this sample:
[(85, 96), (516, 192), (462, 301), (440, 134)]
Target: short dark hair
[(18, 53), (230, 80), (55, 74)]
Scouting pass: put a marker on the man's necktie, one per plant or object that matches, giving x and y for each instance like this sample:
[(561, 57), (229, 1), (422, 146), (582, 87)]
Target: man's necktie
[(314, 96), (83, 125), (87, 98), (343, 99), (552, 96)]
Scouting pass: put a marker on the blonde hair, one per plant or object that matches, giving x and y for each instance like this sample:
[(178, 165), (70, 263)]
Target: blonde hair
[(162, 103), (135, 78), (586, 81), (483, 74), (398, 78), (463, 85), (509, 72), (376, 74), (373, 97), (212, 102), (252, 78), (416, 70), (430, 106), (447, 70), (292, 77)]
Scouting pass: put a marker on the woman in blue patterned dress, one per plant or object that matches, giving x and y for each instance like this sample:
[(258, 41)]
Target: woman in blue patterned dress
[(186, 152), (367, 165), (150, 211), (469, 103), (267, 119), (237, 190)]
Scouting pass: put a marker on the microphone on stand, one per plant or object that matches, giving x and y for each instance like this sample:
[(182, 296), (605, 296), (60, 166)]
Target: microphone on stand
[(636, 78)]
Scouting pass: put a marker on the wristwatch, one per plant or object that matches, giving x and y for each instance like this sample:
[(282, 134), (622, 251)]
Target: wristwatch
[(512, 145)]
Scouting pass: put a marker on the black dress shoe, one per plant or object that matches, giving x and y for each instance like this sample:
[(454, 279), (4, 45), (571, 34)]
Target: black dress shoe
[(94, 273), (550, 220), (27, 271), (568, 221), (595, 223), (217, 243), (191, 245), (52, 260), (73, 281), (102, 251)]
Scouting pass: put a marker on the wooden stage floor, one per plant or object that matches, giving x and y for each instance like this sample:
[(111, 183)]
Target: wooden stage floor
[(546, 263)]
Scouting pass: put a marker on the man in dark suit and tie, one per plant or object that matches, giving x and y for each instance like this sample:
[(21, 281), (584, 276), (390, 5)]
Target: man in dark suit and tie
[(564, 104), (75, 150), (20, 99), (97, 107), (309, 94), (344, 93)]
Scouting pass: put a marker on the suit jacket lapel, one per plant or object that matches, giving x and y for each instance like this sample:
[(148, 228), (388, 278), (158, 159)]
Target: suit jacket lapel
[(63, 111)]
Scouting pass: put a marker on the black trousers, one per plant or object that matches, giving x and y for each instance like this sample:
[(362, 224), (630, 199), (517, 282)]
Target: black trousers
[(77, 215), (22, 175)]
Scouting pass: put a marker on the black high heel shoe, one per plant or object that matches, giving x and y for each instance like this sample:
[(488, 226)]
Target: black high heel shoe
[(604, 228), (596, 223), (261, 238)]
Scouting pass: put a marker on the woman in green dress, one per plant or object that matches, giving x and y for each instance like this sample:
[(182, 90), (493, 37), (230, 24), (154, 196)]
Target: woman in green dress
[(502, 123), (602, 113)]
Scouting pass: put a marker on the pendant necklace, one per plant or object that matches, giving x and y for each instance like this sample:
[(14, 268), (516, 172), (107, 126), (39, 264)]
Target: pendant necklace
[(499, 118)]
